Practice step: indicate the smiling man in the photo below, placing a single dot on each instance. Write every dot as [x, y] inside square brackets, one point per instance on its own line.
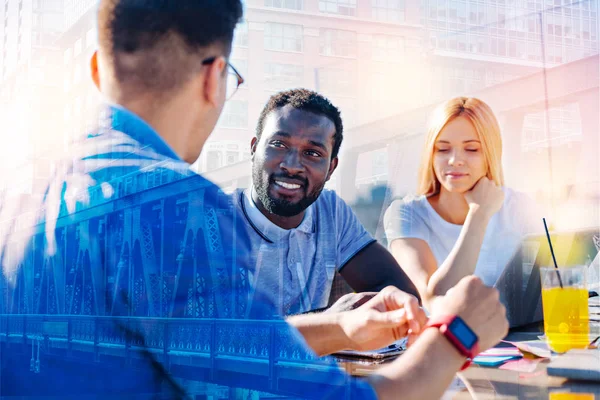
[302, 234]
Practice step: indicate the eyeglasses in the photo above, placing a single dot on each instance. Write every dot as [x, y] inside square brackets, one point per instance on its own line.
[234, 79]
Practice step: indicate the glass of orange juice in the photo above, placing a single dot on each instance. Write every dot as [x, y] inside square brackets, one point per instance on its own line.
[566, 314]
[571, 396]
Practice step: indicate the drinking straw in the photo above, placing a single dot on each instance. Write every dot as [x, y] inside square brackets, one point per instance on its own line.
[552, 252]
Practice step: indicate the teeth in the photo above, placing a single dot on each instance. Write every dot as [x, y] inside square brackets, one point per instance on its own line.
[288, 185]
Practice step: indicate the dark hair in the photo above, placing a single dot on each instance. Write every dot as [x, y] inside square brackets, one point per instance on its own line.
[163, 34]
[307, 100]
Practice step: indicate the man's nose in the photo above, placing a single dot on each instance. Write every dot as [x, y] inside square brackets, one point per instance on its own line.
[292, 163]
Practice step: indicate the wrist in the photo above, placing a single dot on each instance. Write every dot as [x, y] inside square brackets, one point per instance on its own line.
[343, 322]
[443, 349]
[479, 212]
[458, 334]
[324, 333]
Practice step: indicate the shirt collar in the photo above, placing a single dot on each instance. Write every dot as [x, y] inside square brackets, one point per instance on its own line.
[267, 229]
[123, 120]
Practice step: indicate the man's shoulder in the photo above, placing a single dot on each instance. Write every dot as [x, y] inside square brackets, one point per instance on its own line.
[332, 209]
[115, 148]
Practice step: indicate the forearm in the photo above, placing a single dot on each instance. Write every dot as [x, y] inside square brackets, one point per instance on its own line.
[322, 332]
[424, 372]
[462, 260]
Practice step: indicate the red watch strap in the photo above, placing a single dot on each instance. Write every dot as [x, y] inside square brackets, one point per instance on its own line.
[466, 365]
[442, 323]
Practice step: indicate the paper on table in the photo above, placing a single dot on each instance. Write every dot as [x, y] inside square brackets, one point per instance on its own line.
[500, 352]
[537, 348]
[522, 365]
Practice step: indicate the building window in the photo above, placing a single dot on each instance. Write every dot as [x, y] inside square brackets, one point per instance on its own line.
[565, 127]
[240, 36]
[337, 43]
[450, 80]
[213, 160]
[241, 66]
[235, 114]
[337, 81]
[283, 76]
[388, 10]
[91, 38]
[283, 37]
[67, 57]
[232, 157]
[287, 4]
[343, 7]
[388, 48]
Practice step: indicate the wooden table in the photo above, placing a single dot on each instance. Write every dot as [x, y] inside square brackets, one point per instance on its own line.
[493, 383]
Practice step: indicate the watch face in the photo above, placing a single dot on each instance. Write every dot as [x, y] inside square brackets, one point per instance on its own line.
[463, 333]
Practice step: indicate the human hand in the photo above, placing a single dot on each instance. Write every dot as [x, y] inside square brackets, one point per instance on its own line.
[389, 316]
[479, 306]
[485, 196]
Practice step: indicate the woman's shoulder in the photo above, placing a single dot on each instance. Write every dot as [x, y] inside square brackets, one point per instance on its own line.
[409, 202]
[408, 208]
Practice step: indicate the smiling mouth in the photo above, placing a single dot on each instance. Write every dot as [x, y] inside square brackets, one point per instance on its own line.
[289, 186]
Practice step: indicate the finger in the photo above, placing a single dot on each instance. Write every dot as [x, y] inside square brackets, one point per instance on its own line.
[480, 182]
[390, 318]
[412, 310]
[395, 298]
[421, 319]
[412, 338]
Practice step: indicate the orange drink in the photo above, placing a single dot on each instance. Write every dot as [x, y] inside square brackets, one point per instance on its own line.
[566, 314]
[571, 396]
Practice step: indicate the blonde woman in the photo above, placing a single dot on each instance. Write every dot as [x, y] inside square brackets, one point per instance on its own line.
[464, 220]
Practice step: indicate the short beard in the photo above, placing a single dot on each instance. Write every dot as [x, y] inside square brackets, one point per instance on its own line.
[281, 207]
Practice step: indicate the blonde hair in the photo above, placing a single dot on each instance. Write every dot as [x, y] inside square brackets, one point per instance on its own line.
[488, 131]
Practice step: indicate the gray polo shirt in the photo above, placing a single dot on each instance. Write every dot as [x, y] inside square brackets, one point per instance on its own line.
[296, 266]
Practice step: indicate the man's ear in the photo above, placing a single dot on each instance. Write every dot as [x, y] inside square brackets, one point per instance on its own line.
[253, 144]
[213, 82]
[332, 166]
[94, 69]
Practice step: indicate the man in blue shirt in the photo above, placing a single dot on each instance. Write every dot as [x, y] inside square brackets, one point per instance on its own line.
[129, 272]
[301, 234]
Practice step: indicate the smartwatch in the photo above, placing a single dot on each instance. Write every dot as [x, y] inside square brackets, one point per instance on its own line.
[459, 334]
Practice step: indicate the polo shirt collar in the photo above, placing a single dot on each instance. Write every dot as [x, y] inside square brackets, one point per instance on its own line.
[267, 229]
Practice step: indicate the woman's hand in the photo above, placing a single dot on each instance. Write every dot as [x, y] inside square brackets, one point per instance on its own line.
[485, 197]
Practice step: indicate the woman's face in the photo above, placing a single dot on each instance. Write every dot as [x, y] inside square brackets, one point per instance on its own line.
[458, 159]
